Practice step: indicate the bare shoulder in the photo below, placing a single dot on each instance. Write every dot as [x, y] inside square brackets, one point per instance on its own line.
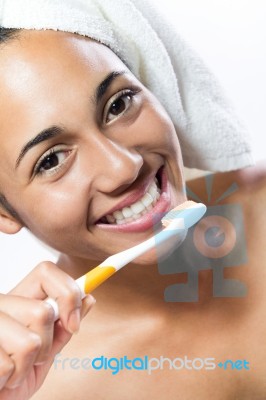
[252, 177]
[247, 180]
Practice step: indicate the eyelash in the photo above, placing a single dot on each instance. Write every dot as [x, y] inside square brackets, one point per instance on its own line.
[129, 92]
[45, 157]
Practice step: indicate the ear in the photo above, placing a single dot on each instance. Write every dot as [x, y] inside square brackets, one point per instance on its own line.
[9, 224]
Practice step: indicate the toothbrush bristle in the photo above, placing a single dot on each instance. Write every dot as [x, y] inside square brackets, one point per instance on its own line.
[171, 215]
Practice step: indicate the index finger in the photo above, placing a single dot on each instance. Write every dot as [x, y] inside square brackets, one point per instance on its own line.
[47, 280]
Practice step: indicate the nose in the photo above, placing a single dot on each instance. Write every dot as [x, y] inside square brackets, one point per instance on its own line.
[115, 166]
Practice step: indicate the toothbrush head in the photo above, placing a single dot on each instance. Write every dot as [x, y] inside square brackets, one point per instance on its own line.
[192, 210]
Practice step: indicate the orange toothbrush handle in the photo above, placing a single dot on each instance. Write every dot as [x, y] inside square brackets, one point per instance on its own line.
[96, 276]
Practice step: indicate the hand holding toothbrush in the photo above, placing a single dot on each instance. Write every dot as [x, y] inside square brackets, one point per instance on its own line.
[29, 337]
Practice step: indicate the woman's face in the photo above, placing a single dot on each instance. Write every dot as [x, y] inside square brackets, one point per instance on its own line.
[82, 143]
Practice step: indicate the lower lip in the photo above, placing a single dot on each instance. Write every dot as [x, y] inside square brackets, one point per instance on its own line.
[151, 218]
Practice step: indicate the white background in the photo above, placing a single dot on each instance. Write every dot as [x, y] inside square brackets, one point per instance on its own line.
[230, 35]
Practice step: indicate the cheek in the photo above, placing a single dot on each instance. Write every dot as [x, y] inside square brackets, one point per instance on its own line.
[49, 213]
[156, 131]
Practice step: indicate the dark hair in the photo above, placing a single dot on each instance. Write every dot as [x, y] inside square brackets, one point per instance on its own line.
[7, 206]
[5, 35]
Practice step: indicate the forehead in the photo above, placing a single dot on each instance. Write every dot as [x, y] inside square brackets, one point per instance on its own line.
[30, 48]
[38, 60]
[41, 71]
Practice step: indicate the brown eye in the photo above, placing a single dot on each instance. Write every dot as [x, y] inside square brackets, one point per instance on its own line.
[119, 104]
[50, 162]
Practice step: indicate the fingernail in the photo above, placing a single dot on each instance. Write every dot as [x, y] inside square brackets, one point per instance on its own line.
[93, 300]
[74, 321]
[88, 302]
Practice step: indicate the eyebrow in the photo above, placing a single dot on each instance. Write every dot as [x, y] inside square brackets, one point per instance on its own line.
[104, 85]
[54, 130]
[46, 134]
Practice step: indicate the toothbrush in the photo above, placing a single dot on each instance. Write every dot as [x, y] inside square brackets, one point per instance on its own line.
[179, 218]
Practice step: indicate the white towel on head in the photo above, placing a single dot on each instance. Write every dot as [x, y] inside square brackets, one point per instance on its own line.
[211, 136]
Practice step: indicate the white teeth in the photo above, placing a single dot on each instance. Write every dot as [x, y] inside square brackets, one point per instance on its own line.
[136, 210]
[110, 219]
[136, 216]
[127, 212]
[137, 207]
[118, 215]
[147, 200]
[152, 191]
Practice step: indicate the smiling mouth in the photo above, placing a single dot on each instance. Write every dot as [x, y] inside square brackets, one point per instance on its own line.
[137, 209]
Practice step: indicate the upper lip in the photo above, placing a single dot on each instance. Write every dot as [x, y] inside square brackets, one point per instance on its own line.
[134, 196]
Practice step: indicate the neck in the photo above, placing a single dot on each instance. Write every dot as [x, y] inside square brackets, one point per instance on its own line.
[136, 289]
[132, 279]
